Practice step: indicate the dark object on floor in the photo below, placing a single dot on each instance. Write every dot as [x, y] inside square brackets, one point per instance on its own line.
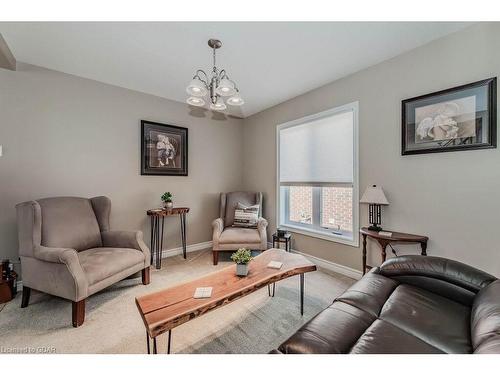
[411, 304]
[285, 238]
[68, 250]
[8, 281]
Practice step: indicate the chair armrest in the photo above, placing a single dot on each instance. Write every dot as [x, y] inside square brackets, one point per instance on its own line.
[218, 227]
[262, 229]
[442, 269]
[126, 239]
[56, 255]
[68, 258]
[261, 224]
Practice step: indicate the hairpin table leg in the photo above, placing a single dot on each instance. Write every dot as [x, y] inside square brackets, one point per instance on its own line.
[301, 294]
[169, 340]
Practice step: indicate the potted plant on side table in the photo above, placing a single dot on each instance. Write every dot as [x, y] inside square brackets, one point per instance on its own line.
[167, 200]
[242, 257]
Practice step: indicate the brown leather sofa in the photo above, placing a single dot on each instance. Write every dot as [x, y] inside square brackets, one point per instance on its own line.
[67, 249]
[411, 304]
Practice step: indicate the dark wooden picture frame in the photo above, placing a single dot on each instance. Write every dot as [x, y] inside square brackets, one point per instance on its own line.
[164, 149]
[441, 130]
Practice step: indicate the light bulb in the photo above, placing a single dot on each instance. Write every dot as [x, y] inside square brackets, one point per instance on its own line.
[235, 100]
[225, 88]
[196, 101]
[219, 105]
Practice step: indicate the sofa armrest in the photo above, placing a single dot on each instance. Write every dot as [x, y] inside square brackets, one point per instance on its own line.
[65, 261]
[56, 255]
[128, 240]
[441, 269]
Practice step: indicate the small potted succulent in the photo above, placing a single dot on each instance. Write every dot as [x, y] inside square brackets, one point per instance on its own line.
[167, 200]
[242, 257]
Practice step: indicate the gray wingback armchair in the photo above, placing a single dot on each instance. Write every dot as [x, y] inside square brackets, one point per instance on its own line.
[68, 250]
[228, 238]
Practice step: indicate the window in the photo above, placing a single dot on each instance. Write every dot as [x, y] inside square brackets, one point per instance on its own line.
[318, 175]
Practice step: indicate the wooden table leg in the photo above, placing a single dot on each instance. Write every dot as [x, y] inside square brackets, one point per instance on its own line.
[147, 341]
[364, 254]
[384, 253]
[155, 351]
[423, 245]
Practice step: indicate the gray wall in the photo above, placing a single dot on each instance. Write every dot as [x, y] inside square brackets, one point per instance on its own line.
[64, 135]
[454, 198]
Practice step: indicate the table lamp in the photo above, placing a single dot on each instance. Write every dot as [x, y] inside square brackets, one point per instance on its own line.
[375, 197]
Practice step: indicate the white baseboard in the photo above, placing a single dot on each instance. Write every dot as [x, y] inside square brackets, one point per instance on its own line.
[331, 266]
[190, 248]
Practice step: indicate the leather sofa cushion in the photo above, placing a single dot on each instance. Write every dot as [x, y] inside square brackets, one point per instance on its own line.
[69, 222]
[485, 320]
[436, 320]
[334, 330]
[239, 235]
[369, 293]
[103, 262]
[384, 338]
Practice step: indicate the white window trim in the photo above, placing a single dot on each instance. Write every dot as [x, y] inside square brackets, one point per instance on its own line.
[354, 107]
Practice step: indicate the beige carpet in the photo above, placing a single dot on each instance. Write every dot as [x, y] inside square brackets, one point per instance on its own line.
[253, 324]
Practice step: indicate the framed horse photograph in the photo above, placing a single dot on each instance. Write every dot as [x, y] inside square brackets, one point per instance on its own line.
[164, 149]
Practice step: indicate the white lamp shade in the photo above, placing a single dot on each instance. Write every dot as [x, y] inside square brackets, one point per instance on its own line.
[225, 88]
[219, 105]
[374, 195]
[196, 88]
[235, 100]
[196, 101]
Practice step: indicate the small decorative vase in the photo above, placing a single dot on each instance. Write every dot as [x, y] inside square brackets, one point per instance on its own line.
[168, 205]
[242, 269]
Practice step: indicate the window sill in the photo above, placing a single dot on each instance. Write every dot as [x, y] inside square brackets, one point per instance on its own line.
[345, 240]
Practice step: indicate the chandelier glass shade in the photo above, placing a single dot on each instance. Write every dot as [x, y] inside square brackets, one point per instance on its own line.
[213, 89]
[196, 101]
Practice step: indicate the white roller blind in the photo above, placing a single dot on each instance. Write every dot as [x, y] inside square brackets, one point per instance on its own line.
[318, 152]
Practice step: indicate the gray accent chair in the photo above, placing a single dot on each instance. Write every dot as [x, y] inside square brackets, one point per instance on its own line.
[68, 250]
[228, 238]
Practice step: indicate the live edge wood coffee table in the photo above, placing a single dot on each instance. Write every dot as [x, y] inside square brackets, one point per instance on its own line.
[164, 310]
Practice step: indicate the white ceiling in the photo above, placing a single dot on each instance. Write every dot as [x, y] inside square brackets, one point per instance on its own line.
[271, 62]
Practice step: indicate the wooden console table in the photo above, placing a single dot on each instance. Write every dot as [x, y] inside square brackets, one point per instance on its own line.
[385, 241]
[157, 230]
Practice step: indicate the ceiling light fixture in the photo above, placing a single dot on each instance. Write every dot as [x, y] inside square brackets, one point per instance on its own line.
[217, 86]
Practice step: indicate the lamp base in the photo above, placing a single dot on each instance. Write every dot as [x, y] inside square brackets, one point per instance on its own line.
[375, 228]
